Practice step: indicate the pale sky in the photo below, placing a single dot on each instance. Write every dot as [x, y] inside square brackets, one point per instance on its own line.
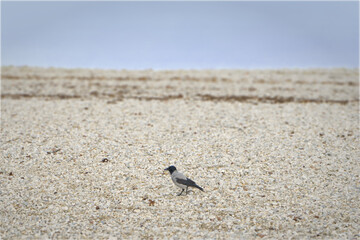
[180, 35]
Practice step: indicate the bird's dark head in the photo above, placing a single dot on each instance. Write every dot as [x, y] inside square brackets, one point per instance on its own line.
[171, 169]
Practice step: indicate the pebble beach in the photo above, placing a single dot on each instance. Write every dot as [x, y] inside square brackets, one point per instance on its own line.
[83, 153]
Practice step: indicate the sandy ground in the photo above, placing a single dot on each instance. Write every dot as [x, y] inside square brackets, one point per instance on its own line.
[83, 151]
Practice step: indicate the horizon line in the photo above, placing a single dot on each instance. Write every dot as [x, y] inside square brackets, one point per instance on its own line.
[183, 69]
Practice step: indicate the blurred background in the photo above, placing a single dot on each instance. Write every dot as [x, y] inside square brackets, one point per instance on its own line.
[180, 35]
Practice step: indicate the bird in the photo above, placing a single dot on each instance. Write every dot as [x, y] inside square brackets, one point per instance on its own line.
[181, 181]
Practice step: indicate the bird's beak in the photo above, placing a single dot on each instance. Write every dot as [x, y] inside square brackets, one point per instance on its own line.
[166, 169]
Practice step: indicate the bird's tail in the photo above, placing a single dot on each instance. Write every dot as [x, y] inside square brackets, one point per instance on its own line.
[198, 187]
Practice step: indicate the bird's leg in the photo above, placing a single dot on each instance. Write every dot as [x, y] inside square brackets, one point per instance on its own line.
[181, 192]
[187, 190]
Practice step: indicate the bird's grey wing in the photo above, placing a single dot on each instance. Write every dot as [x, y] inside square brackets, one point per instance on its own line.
[187, 181]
